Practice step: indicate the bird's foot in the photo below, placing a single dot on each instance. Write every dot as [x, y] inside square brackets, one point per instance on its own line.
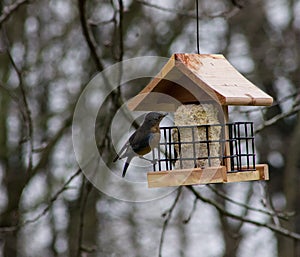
[154, 161]
[142, 157]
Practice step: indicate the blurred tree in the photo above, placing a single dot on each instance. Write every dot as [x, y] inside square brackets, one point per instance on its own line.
[49, 51]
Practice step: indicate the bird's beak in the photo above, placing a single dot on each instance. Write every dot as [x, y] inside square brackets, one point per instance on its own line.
[163, 115]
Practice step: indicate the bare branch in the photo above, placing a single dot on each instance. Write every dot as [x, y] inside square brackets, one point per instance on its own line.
[272, 227]
[88, 249]
[9, 10]
[121, 47]
[88, 34]
[45, 210]
[27, 111]
[92, 22]
[192, 212]
[167, 214]
[238, 3]
[54, 198]
[246, 206]
[16, 100]
[85, 191]
[44, 157]
[267, 202]
[121, 41]
[276, 103]
[225, 14]
[277, 118]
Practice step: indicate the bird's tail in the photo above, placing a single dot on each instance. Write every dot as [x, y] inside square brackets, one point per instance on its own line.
[126, 166]
[116, 158]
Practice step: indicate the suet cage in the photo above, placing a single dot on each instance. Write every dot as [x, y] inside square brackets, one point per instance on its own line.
[202, 146]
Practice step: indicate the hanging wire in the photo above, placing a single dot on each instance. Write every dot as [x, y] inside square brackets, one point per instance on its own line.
[197, 22]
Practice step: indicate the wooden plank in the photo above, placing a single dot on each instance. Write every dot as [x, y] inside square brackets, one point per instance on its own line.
[167, 107]
[205, 176]
[220, 76]
[133, 104]
[227, 146]
[168, 92]
[186, 177]
[212, 74]
[193, 76]
[261, 173]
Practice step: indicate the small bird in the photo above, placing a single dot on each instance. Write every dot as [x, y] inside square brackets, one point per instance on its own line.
[143, 140]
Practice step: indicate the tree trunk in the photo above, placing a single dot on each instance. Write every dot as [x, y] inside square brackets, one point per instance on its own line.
[286, 246]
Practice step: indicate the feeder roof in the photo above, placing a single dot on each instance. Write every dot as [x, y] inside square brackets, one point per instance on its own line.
[190, 78]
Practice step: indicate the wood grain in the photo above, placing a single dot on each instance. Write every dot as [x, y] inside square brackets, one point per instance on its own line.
[194, 78]
[205, 176]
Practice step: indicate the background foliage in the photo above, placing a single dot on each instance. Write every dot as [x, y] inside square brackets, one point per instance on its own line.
[49, 50]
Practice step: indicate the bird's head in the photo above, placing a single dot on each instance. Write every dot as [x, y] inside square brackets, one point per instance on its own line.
[154, 118]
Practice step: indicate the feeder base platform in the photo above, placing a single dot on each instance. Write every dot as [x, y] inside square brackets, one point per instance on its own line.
[205, 176]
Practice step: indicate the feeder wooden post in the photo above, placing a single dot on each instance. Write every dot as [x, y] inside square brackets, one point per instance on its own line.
[227, 144]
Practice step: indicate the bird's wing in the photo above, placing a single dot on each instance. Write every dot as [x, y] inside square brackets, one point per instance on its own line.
[123, 149]
[140, 141]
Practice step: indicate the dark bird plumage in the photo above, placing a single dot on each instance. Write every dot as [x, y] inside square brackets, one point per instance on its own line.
[143, 140]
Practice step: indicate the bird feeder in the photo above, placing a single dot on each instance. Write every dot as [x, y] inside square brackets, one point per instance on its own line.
[203, 146]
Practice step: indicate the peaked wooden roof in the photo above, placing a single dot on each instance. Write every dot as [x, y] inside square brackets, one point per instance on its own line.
[192, 77]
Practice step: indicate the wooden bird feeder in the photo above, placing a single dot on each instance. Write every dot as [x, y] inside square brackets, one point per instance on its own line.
[202, 147]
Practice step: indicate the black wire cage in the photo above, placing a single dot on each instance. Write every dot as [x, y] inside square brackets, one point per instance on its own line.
[201, 146]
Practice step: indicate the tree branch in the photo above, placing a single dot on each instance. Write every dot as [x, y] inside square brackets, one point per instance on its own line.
[54, 198]
[121, 41]
[44, 157]
[225, 14]
[45, 210]
[274, 228]
[27, 111]
[88, 34]
[192, 211]
[275, 103]
[277, 118]
[246, 206]
[167, 214]
[16, 100]
[86, 189]
[9, 10]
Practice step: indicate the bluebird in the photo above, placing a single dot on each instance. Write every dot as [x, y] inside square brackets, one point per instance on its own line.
[142, 141]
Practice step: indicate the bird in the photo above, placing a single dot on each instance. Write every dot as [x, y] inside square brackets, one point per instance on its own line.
[142, 141]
